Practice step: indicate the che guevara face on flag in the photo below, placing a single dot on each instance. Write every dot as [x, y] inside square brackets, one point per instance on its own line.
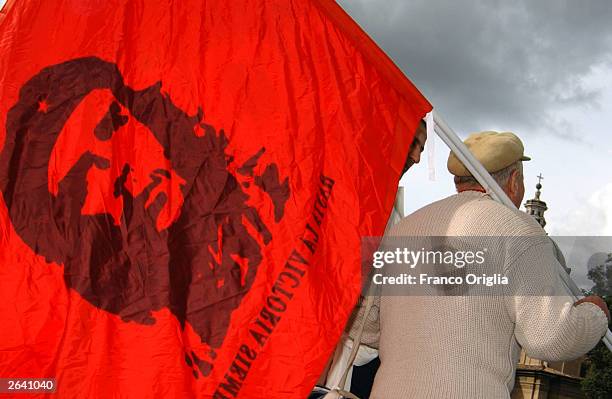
[175, 231]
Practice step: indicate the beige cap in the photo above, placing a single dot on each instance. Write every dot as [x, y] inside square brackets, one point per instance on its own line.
[494, 150]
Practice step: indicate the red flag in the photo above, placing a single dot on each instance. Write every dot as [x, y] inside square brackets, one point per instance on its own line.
[184, 188]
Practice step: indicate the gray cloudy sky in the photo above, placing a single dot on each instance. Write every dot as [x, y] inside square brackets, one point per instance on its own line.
[519, 63]
[542, 69]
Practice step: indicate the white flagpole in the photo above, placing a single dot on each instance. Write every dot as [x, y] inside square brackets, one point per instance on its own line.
[455, 144]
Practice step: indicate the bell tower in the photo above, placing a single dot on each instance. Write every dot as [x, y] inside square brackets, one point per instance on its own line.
[535, 206]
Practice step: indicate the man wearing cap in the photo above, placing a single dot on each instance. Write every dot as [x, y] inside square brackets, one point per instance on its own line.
[468, 346]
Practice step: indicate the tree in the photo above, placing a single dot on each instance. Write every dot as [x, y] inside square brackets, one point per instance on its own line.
[598, 381]
[601, 275]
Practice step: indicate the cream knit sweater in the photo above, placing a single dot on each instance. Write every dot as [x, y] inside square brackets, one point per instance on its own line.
[467, 347]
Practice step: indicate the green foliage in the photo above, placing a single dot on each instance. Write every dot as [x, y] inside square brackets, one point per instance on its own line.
[598, 381]
[601, 276]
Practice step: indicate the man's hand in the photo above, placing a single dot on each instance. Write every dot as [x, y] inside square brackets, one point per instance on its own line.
[597, 301]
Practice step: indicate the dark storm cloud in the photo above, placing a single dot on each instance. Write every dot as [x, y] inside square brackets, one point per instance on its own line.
[493, 63]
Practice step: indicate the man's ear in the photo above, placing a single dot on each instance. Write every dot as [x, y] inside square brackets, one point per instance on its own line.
[513, 182]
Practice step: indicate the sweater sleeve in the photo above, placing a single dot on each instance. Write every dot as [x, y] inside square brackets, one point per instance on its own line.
[547, 324]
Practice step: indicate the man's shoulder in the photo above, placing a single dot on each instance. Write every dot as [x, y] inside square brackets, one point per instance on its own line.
[509, 221]
[468, 213]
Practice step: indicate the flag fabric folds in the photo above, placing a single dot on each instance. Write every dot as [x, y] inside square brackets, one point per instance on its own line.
[184, 189]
